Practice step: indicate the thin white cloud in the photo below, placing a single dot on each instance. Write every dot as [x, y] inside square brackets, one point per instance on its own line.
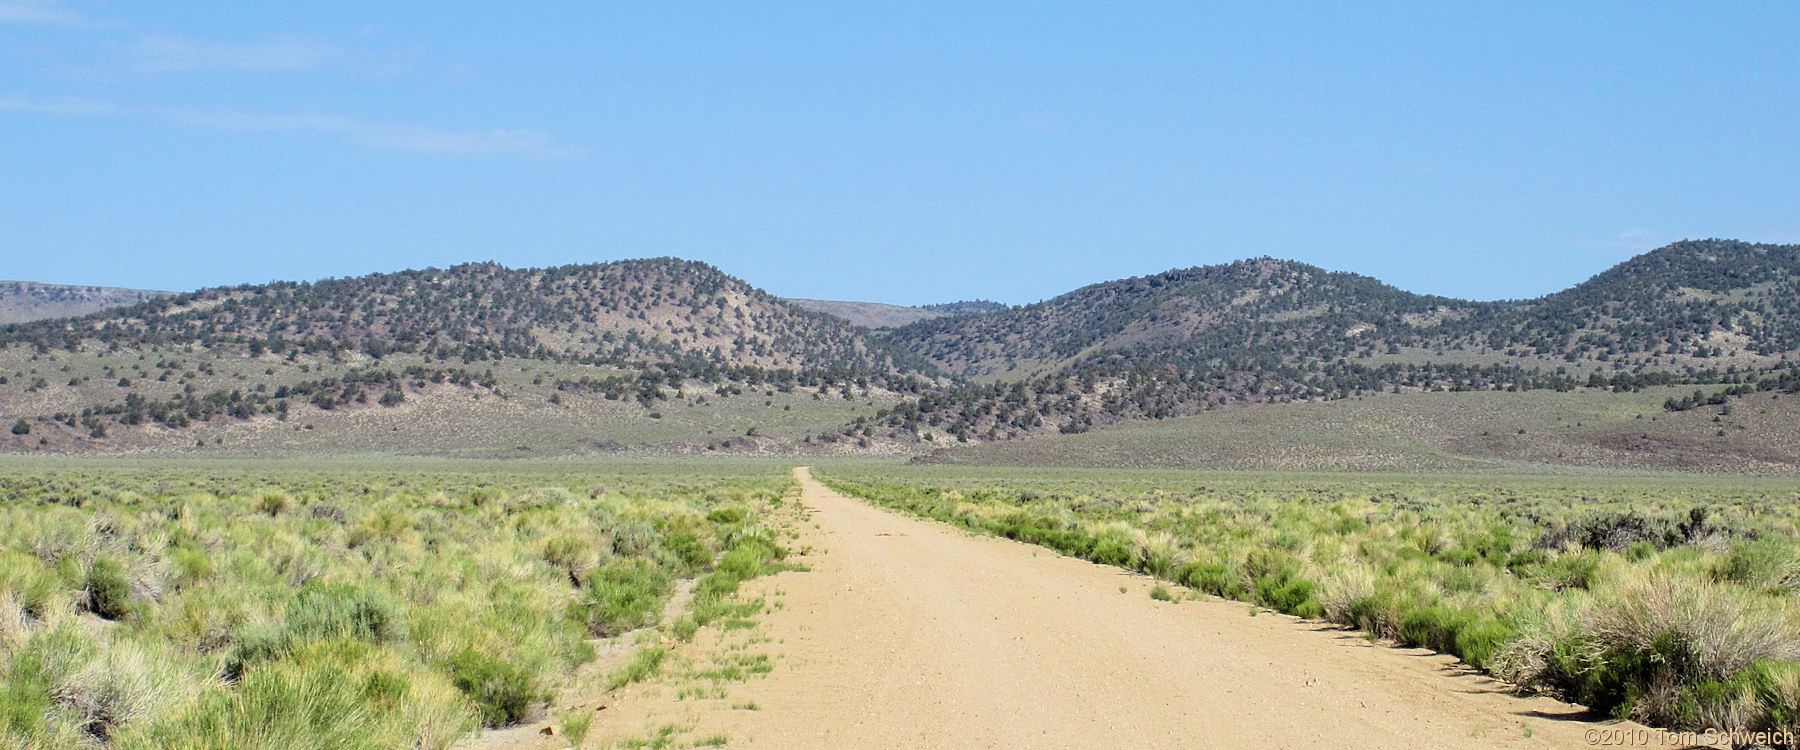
[162, 53]
[376, 134]
[173, 54]
[41, 13]
[366, 133]
[57, 106]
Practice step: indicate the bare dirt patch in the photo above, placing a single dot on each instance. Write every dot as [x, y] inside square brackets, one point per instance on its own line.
[906, 633]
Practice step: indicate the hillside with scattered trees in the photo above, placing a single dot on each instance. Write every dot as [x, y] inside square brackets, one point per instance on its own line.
[1710, 312]
[875, 315]
[640, 331]
[1717, 319]
[630, 312]
[23, 301]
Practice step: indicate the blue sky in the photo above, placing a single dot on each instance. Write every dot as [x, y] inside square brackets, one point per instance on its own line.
[899, 152]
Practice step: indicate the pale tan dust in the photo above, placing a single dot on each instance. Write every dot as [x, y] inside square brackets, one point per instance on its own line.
[910, 634]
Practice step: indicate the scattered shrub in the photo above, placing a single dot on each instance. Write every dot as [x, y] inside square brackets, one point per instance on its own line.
[572, 553]
[125, 685]
[108, 591]
[1217, 580]
[1276, 583]
[1569, 571]
[1761, 564]
[238, 623]
[688, 548]
[503, 693]
[333, 694]
[273, 503]
[622, 595]
[192, 565]
[346, 611]
[633, 539]
[1616, 531]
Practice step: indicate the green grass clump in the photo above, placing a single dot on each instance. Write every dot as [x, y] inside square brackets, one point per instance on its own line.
[319, 612]
[575, 728]
[690, 549]
[644, 664]
[1765, 564]
[623, 595]
[333, 694]
[1214, 579]
[573, 553]
[273, 503]
[750, 558]
[1682, 652]
[664, 737]
[1276, 582]
[504, 694]
[108, 593]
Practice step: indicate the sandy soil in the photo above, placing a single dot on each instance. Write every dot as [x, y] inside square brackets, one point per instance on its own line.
[910, 634]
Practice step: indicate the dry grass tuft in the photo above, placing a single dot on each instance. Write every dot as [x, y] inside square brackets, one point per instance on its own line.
[1712, 631]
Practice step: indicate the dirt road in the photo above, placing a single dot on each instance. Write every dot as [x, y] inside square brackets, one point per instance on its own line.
[910, 634]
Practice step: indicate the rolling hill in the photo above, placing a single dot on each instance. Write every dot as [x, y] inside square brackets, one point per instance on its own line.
[601, 347]
[1673, 307]
[640, 311]
[877, 316]
[874, 315]
[1271, 331]
[22, 301]
[1171, 315]
[671, 355]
